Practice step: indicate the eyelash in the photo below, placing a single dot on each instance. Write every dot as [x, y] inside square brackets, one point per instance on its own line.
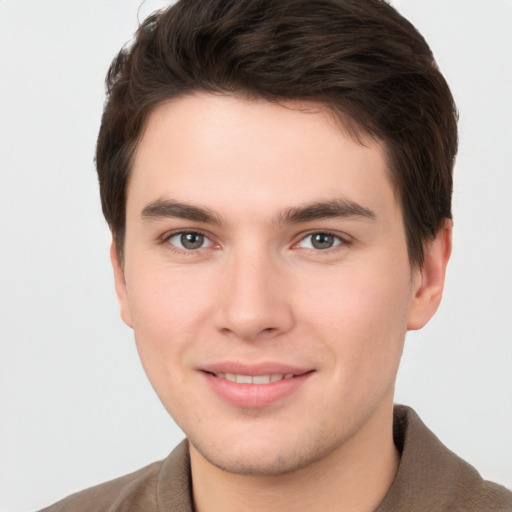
[339, 241]
[166, 239]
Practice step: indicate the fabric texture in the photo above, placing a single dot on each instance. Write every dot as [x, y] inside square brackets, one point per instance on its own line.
[430, 478]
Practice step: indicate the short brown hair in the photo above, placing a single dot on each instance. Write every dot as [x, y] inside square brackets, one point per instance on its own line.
[360, 58]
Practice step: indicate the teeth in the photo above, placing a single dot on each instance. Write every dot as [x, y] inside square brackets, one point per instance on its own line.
[256, 379]
[261, 379]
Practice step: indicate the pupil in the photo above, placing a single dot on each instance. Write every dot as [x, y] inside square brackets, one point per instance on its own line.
[322, 241]
[192, 240]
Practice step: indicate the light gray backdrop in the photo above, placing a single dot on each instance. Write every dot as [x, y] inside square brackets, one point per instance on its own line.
[76, 408]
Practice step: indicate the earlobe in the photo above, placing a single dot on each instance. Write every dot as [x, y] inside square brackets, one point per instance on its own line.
[430, 280]
[120, 284]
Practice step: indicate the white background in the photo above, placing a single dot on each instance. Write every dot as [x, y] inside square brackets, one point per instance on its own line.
[76, 408]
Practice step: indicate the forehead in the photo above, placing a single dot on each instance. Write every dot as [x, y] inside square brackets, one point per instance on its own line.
[209, 148]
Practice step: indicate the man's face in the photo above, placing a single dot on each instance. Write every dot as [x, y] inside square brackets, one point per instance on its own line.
[265, 246]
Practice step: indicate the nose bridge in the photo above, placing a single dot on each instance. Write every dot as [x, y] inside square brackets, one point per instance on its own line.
[254, 300]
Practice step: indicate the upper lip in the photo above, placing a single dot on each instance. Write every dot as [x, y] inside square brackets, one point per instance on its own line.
[266, 368]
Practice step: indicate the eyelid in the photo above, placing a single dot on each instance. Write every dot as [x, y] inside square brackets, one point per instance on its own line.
[165, 239]
[344, 239]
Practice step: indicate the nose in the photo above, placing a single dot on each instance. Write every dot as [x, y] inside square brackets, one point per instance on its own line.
[254, 301]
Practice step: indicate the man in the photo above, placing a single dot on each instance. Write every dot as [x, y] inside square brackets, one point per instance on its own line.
[277, 179]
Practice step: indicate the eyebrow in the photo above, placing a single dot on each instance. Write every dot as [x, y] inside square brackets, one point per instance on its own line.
[168, 208]
[334, 208]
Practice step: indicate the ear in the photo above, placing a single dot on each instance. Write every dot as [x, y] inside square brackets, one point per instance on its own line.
[429, 279]
[120, 284]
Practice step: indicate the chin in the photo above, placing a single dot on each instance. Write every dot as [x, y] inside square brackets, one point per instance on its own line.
[264, 458]
[256, 465]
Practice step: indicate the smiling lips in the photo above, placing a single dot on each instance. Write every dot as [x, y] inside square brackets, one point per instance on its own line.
[253, 379]
[257, 390]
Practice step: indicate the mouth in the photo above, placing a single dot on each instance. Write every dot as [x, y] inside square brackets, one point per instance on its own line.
[252, 387]
[253, 379]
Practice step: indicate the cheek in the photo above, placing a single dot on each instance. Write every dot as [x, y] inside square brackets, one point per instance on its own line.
[165, 310]
[166, 298]
[362, 318]
[165, 315]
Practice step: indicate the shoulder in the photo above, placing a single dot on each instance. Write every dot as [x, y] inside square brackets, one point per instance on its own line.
[136, 488]
[490, 496]
[140, 490]
[431, 478]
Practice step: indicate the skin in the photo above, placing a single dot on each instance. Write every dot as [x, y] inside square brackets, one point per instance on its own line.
[257, 291]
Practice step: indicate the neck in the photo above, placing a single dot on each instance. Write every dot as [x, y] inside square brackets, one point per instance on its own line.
[353, 477]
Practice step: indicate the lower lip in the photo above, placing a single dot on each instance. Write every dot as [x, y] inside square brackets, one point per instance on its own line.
[254, 395]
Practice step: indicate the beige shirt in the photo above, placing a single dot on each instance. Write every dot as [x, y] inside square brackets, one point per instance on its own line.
[430, 478]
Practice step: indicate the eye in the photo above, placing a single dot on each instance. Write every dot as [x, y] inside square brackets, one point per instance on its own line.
[320, 241]
[189, 240]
